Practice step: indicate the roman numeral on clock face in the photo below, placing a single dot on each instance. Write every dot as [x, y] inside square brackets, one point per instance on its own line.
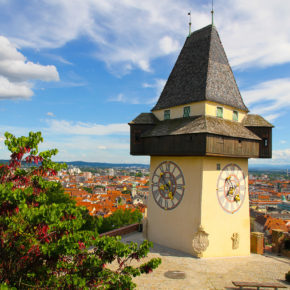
[167, 167]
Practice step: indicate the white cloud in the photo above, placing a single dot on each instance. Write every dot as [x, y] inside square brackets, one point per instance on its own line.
[131, 33]
[58, 58]
[14, 90]
[80, 128]
[255, 32]
[65, 128]
[2, 138]
[271, 98]
[120, 98]
[102, 147]
[50, 114]
[15, 67]
[8, 51]
[128, 37]
[281, 156]
[283, 141]
[20, 71]
[96, 148]
[108, 144]
[16, 72]
[272, 117]
[168, 45]
[144, 65]
[158, 85]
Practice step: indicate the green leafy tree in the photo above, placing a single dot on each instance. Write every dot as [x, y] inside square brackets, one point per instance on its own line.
[88, 189]
[45, 238]
[120, 218]
[127, 191]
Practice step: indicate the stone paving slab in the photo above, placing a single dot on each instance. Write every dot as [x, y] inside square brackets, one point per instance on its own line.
[209, 273]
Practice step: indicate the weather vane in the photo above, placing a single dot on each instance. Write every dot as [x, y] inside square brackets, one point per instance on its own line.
[212, 12]
[189, 14]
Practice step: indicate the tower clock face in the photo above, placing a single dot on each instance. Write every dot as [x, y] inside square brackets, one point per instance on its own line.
[231, 188]
[168, 185]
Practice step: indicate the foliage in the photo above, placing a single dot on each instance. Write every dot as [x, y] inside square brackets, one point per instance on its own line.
[287, 276]
[119, 219]
[127, 191]
[45, 238]
[88, 189]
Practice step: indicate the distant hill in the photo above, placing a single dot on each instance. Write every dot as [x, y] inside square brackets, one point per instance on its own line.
[105, 165]
[97, 164]
[269, 167]
[252, 167]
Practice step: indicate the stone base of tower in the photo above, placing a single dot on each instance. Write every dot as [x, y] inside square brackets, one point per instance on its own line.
[200, 225]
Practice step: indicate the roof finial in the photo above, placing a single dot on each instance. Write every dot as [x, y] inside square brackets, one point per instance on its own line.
[189, 14]
[212, 12]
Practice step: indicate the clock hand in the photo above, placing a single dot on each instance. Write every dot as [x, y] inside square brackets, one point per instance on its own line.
[237, 198]
[162, 177]
[166, 185]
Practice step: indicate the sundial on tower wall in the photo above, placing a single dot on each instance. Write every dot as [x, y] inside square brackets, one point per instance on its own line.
[200, 136]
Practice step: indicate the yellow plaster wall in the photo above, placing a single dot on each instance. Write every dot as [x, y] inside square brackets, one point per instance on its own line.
[200, 108]
[175, 228]
[210, 110]
[196, 109]
[218, 223]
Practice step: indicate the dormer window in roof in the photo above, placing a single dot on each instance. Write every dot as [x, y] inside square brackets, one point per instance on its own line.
[219, 112]
[235, 116]
[166, 114]
[186, 111]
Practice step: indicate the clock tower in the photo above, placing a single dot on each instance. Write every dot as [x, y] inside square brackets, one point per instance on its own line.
[200, 136]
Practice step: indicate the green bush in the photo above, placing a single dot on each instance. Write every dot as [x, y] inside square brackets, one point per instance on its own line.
[118, 219]
[45, 238]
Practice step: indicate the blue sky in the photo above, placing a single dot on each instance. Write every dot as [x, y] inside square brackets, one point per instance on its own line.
[80, 70]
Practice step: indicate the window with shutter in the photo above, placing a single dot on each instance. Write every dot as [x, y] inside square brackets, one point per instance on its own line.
[219, 112]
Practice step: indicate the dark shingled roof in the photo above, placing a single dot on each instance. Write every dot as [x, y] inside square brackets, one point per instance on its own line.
[201, 73]
[252, 120]
[201, 124]
[145, 118]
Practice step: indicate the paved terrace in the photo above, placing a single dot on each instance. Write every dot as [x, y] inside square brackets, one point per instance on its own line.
[209, 273]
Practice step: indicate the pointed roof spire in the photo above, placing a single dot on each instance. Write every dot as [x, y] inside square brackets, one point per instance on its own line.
[201, 73]
[212, 12]
[189, 23]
